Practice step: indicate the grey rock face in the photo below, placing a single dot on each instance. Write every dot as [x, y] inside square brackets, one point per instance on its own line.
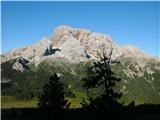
[77, 42]
[37, 49]
[132, 51]
[12, 54]
[21, 64]
[28, 53]
[17, 66]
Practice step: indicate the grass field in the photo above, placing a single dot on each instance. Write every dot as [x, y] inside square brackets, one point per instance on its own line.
[12, 102]
[75, 102]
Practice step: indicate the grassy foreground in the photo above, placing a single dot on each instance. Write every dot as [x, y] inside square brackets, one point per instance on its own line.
[12, 102]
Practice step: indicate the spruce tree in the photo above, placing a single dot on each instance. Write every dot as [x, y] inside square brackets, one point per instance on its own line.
[52, 96]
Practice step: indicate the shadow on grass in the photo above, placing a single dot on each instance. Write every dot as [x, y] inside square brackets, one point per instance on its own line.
[143, 112]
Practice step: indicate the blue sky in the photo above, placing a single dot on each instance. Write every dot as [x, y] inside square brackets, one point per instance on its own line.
[135, 23]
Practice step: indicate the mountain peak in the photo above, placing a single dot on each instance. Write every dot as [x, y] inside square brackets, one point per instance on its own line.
[74, 44]
[90, 42]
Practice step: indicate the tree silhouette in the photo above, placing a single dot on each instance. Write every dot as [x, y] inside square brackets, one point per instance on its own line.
[52, 96]
[100, 75]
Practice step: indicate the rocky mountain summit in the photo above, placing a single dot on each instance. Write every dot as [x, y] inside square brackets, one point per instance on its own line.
[72, 44]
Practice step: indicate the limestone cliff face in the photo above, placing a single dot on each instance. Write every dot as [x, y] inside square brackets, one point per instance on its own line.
[28, 52]
[33, 54]
[86, 42]
[12, 54]
[132, 51]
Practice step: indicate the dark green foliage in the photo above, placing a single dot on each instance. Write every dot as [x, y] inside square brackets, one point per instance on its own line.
[69, 93]
[34, 79]
[7, 71]
[141, 89]
[52, 96]
[23, 85]
[26, 94]
[100, 75]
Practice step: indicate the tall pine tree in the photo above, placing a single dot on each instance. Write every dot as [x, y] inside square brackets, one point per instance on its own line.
[52, 96]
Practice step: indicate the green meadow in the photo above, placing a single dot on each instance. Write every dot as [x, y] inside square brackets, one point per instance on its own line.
[12, 102]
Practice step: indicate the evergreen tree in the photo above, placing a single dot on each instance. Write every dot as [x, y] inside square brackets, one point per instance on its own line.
[52, 96]
[100, 75]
